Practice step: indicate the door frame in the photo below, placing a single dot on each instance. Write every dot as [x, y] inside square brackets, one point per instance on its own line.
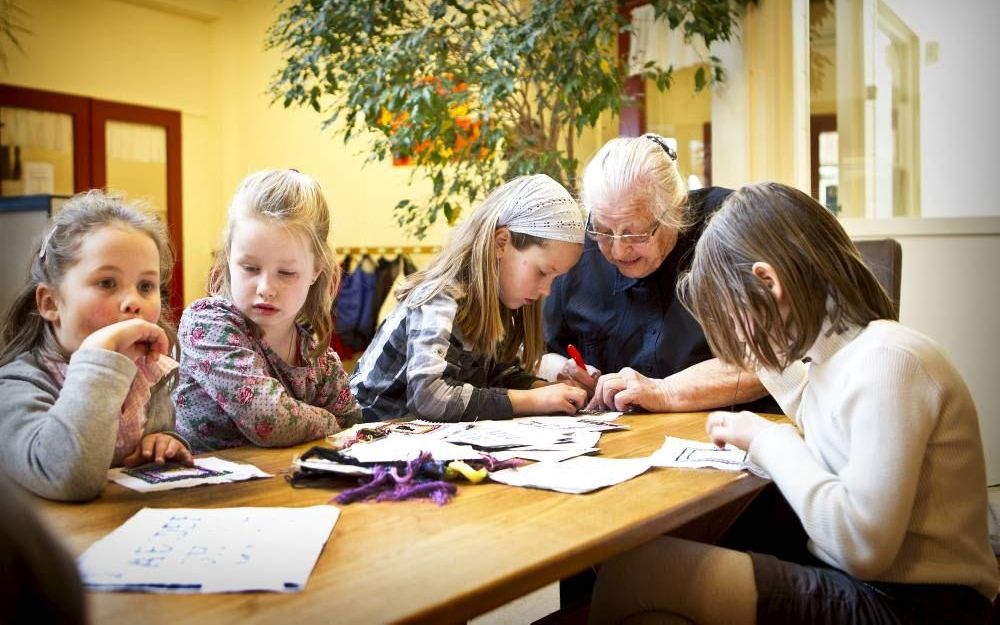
[89, 154]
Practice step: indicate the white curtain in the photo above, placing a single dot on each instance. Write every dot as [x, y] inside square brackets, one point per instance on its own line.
[37, 129]
[136, 142]
[653, 40]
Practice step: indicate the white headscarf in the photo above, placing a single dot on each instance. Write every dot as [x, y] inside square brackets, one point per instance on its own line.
[543, 208]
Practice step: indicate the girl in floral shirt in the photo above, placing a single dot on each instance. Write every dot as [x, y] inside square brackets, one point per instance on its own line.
[256, 367]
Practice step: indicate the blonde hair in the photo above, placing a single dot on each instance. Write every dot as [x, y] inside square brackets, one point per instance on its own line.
[637, 170]
[292, 200]
[24, 330]
[467, 270]
[814, 259]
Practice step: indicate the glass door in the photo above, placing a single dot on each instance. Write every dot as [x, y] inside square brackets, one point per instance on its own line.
[865, 109]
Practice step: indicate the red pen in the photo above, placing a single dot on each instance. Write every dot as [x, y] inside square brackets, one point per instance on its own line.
[577, 357]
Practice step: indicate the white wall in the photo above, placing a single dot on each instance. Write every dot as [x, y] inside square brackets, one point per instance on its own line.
[959, 102]
[950, 293]
[948, 290]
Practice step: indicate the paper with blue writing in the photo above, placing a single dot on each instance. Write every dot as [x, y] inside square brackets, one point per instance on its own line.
[187, 550]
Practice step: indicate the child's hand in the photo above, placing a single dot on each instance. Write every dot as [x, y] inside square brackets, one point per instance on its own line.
[134, 339]
[557, 397]
[738, 428]
[573, 375]
[159, 448]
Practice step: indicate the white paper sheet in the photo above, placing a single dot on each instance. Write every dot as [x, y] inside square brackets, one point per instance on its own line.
[500, 435]
[186, 550]
[563, 422]
[150, 478]
[413, 427]
[684, 453]
[577, 475]
[329, 466]
[399, 448]
[542, 456]
[599, 415]
[510, 435]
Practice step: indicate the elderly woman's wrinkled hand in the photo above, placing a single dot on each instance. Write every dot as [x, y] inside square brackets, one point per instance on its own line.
[629, 389]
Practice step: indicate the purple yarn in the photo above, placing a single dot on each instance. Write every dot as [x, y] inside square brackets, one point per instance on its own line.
[492, 464]
[438, 491]
[379, 481]
[392, 483]
[403, 481]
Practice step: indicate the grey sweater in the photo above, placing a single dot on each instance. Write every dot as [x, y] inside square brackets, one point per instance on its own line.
[59, 443]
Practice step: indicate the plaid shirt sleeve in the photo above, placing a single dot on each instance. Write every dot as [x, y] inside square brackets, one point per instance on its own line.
[419, 365]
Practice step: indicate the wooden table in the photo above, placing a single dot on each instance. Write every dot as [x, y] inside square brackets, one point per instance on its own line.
[414, 561]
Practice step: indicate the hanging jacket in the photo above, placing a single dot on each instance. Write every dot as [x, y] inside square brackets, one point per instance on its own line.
[355, 312]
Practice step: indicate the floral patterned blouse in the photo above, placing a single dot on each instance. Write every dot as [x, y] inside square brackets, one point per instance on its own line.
[234, 389]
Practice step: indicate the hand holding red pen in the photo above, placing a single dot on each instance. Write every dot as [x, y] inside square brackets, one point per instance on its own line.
[575, 371]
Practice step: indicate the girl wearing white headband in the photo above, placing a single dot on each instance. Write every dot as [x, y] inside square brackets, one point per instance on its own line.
[466, 339]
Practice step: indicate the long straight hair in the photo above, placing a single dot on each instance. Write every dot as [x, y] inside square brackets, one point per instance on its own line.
[821, 272]
[468, 271]
[286, 198]
[24, 329]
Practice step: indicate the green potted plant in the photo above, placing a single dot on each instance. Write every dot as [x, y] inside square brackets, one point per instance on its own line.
[472, 92]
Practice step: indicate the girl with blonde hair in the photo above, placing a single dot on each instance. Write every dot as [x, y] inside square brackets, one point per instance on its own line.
[466, 339]
[257, 367]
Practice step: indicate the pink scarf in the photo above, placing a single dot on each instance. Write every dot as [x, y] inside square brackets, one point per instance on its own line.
[133, 418]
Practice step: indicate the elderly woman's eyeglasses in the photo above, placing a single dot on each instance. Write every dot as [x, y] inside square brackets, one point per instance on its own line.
[606, 239]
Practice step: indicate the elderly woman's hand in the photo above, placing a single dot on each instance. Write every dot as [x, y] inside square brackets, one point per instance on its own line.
[630, 389]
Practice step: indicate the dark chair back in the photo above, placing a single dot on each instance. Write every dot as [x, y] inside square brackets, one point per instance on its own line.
[885, 259]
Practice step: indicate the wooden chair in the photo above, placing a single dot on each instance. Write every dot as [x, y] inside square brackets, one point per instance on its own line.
[885, 259]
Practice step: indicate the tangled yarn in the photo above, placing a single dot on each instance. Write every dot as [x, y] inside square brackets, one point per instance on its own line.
[419, 478]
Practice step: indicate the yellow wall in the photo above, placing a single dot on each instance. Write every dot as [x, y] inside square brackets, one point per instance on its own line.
[207, 60]
[680, 113]
[256, 134]
[767, 39]
[823, 59]
[128, 53]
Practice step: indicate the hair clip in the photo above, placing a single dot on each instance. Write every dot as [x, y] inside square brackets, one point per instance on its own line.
[295, 170]
[663, 144]
[45, 243]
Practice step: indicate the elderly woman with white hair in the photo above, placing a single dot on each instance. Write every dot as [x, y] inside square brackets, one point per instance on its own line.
[618, 306]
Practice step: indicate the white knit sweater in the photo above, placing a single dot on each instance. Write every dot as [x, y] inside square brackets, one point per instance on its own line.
[887, 473]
